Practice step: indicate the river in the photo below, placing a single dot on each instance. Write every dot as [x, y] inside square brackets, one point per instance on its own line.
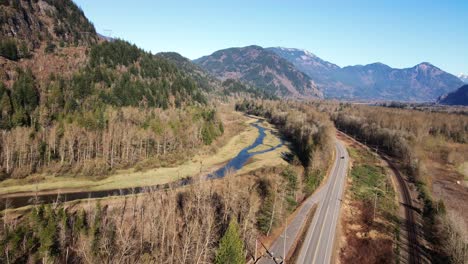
[233, 165]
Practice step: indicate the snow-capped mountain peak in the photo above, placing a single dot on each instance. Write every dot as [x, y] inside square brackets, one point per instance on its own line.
[305, 53]
[463, 77]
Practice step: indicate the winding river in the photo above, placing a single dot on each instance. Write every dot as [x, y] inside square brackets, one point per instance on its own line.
[233, 165]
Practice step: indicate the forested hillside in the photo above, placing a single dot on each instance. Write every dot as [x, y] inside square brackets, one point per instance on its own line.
[74, 120]
[76, 105]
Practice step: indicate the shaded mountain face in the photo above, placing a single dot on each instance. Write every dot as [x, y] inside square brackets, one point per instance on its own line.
[458, 97]
[262, 69]
[377, 81]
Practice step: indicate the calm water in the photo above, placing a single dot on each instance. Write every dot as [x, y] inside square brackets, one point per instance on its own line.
[244, 155]
[233, 165]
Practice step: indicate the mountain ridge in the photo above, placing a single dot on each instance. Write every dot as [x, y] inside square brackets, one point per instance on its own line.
[375, 81]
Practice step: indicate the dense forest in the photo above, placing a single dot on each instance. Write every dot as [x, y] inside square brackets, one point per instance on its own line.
[236, 89]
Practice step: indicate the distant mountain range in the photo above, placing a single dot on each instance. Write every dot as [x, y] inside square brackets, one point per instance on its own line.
[463, 77]
[260, 68]
[458, 97]
[298, 73]
[377, 81]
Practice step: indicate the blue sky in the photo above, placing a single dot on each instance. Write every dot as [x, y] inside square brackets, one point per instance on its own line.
[398, 33]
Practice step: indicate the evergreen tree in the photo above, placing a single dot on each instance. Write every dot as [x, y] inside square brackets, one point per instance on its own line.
[9, 50]
[25, 97]
[44, 223]
[265, 214]
[96, 230]
[80, 223]
[231, 247]
[6, 111]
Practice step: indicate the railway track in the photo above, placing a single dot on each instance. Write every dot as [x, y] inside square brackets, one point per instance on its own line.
[414, 256]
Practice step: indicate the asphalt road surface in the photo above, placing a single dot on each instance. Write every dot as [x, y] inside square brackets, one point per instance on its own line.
[318, 244]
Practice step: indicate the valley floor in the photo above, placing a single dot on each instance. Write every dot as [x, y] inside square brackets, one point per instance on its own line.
[239, 134]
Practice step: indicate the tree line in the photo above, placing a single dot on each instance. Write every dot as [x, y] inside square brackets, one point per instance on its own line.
[398, 132]
[95, 142]
[209, 222]
[311, 133]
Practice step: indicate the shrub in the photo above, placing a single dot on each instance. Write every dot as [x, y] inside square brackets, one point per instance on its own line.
[50, 48]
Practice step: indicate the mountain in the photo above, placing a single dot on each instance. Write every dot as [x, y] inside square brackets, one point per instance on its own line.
[458, 97]
[53, 61]
[262, 69]
[423, 82]
[212, 85]
[317, 69]
[377, 81]
[463, 77]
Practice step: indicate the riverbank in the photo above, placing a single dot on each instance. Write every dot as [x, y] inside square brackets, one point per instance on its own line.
[201, 164]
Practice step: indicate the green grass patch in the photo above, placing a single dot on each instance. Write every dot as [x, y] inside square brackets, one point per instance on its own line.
[370, 180]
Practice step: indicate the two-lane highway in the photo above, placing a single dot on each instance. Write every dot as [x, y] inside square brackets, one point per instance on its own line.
[318, 244]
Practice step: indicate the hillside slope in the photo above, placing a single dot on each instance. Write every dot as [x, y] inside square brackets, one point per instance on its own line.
[260, 68]
[75, 103]
[211, 85]
[199, 75]
[33, 23]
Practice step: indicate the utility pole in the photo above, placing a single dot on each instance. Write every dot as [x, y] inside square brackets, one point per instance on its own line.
[375, 206]
[284, 241]
[255, 254]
